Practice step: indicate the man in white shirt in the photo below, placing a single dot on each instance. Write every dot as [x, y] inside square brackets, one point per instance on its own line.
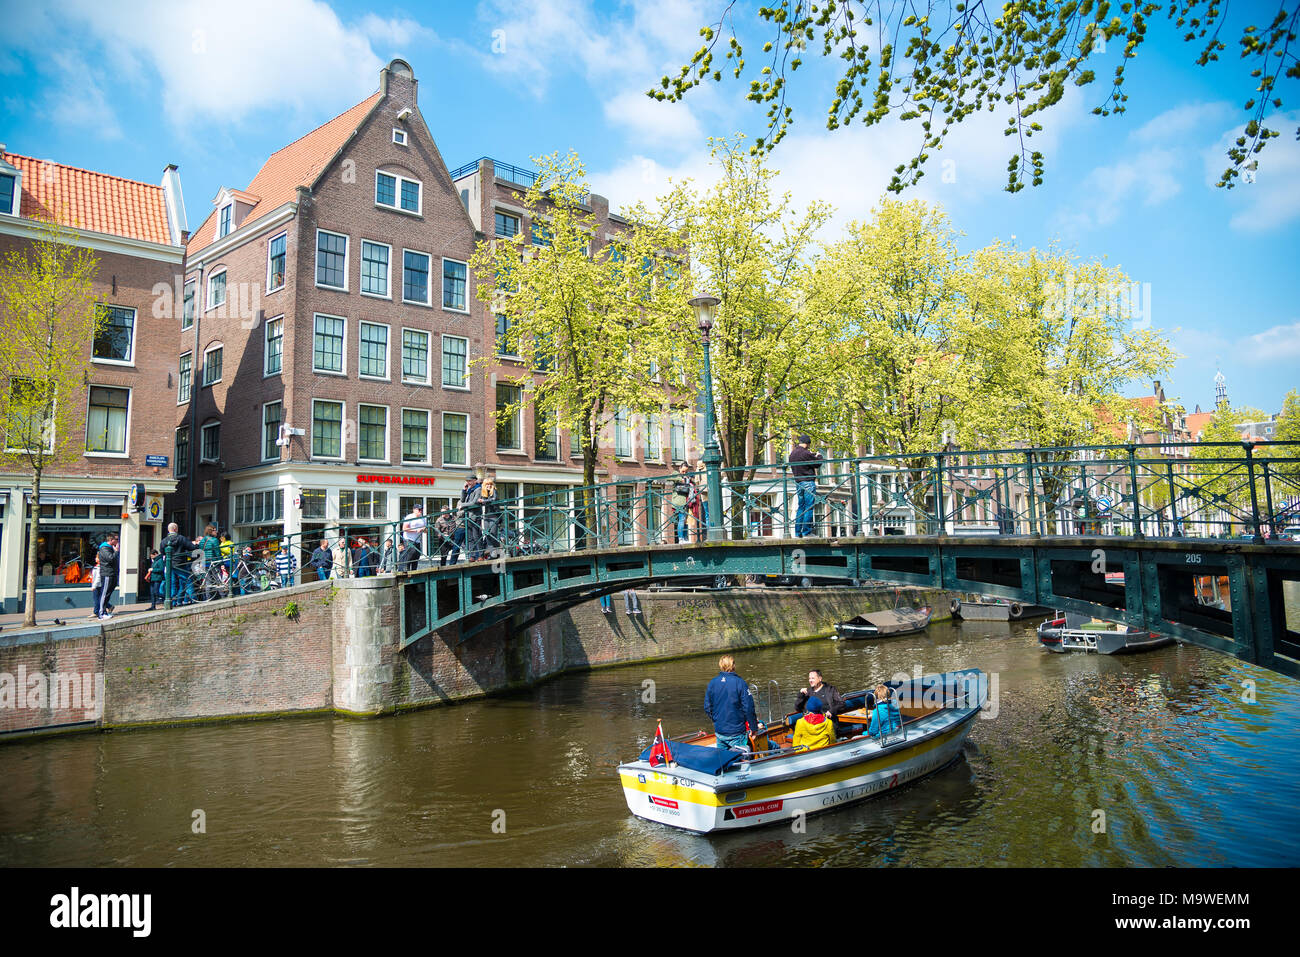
[412, 535]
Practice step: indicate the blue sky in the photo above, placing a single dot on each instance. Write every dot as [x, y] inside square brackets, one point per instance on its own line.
[216, 88]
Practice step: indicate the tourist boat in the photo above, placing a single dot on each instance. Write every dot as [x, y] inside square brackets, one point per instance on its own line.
[705, 789]
[1071, 632]
[885, 624]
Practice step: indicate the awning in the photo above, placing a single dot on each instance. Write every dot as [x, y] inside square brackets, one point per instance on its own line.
[81, 498]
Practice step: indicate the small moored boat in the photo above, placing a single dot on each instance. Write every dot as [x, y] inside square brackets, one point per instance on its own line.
[704, 788]
[1071, 632]
[884, 624]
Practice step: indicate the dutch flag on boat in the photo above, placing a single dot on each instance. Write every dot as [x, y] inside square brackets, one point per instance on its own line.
[659, 751]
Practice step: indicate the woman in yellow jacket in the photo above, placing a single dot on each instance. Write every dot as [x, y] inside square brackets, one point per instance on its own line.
[814, 730]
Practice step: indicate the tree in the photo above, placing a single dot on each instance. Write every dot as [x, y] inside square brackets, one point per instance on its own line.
[1220, 474]
[601, 320]
[48, 306]
[773, 358]
[935, 63]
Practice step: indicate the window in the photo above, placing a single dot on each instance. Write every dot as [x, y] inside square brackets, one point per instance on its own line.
[415, 277]
[397, 192]
[331, 260]
[183, 387]
[217, 289]
[508, 431]
[225, 219]
[363, 503]
[415, 435]
[622, 434]
[210, 442]
[187, 308]
[677, 437]
[546, 436]
[542, 352]
[274, 346]
[507, 225]
[415, 356]
[372, 433]
[455, 353]
[8, 194]
[399, 136]
[653, 450]
[541, 234]
[503, 335]
[106, 421]
[259, 508]
[373, 360]
[313, 502]
[114, 334]
[326, 431]
[183, 451]
[327, 344]
[375, 271]
[455, 438]
[212, 365]
[275, 263]
[31, 425]
[454, 277]
[271, 417]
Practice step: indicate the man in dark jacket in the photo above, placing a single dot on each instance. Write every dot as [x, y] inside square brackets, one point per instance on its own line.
[322, 560]
[182, 583]
[106, 559]
[730, 706]
[830, 697]
[804, 465]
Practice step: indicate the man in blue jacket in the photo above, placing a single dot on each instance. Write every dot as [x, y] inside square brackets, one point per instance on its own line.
[730, 706]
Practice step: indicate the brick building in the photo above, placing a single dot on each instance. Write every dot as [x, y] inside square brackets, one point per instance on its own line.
[324, 377]
[136, 230]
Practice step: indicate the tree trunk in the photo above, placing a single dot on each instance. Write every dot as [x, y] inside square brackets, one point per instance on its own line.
[29, 613]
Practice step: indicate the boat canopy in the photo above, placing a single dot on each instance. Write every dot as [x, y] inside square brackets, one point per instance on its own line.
[695, 758]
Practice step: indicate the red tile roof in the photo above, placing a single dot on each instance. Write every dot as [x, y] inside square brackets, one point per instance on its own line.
[88, 200]
[298, 164]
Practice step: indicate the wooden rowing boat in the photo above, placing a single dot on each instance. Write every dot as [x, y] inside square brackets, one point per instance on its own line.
[705, 789]
[885, 624]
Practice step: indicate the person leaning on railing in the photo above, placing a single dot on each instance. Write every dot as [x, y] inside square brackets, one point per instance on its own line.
[182, 583]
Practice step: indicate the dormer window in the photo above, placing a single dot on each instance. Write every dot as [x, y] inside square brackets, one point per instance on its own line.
[225, 219]
[9, 193]
[399, 136]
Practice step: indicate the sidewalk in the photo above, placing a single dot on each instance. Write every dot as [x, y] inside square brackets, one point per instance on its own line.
[79, 617]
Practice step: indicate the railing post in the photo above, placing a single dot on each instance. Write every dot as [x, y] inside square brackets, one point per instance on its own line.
[167, 580]
[938, 520]
[1268, 498]
[1033, 499]
[1254, 496]
[857, 497]
[1173, 501]
[1133, 483]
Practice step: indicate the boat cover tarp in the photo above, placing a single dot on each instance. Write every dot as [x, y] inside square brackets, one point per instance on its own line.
[696, 758]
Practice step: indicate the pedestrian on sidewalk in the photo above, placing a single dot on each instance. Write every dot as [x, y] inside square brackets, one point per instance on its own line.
[106, 565]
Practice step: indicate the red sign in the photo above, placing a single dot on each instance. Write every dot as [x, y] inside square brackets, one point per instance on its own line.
[397, 479]
[749, 810]
[663, 802]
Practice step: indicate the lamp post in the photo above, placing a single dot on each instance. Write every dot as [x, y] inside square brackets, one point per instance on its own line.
[705, 307]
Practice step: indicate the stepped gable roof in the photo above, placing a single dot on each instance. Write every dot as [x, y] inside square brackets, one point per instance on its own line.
[85, 199]
[298, 164]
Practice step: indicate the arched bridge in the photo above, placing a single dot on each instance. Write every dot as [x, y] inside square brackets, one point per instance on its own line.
[1125, 533]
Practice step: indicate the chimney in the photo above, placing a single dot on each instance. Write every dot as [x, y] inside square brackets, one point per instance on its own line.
[177, 225]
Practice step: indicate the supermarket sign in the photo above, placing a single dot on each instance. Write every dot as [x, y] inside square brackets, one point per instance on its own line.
[397, 480]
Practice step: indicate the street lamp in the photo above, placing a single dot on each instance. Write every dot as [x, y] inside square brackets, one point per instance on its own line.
[705, 307]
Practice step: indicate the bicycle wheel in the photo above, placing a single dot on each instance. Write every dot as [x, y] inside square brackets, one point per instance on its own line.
[215, 585]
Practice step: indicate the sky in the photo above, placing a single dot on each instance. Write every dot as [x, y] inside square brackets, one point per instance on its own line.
[217, 87]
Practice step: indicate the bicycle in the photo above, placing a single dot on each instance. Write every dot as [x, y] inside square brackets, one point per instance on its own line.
[211, 580]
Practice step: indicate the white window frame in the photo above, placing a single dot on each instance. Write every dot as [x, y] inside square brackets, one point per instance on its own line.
[202, 432]
[442, 365]
[388, 280]
[442, 445]
[18, 195]
[180, 377]
[283, 279]
[399, 136]
[315, 264]
[266, 346]
[654, 427]
[428, 289]
[397, 193]
[428, 364]
[189, 284]
[130, 356]
[388, 351]
[442, 276]
[428, 438]
[219, 347]
[343, 359]
[343, 431]
[211, 303]
[388, 428]
[221, 211]
[519, 423]
[126, 439]
[262, 432]
[50, 422]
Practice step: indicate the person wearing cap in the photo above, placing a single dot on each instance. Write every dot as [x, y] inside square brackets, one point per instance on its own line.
[814, 730]
[286, 563]
[804, 464]
[730, 706]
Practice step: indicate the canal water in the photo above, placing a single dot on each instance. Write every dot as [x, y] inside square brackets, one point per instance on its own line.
[1175, 757]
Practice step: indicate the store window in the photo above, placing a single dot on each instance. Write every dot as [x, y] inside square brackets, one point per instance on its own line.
[313, 502]
[363, 505]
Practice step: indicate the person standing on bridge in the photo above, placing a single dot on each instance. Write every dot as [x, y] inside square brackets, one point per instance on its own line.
[730, 706]
[412, 534]
[804, 464]
[322, 560]
[182, 583]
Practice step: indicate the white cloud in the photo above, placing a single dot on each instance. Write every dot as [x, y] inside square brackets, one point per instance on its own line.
[1279, 344]
[396, 33]
[1269, 196]
[653, 121]
[1180, 121]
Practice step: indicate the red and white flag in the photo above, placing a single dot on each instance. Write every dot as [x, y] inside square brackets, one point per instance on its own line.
[659, 750]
